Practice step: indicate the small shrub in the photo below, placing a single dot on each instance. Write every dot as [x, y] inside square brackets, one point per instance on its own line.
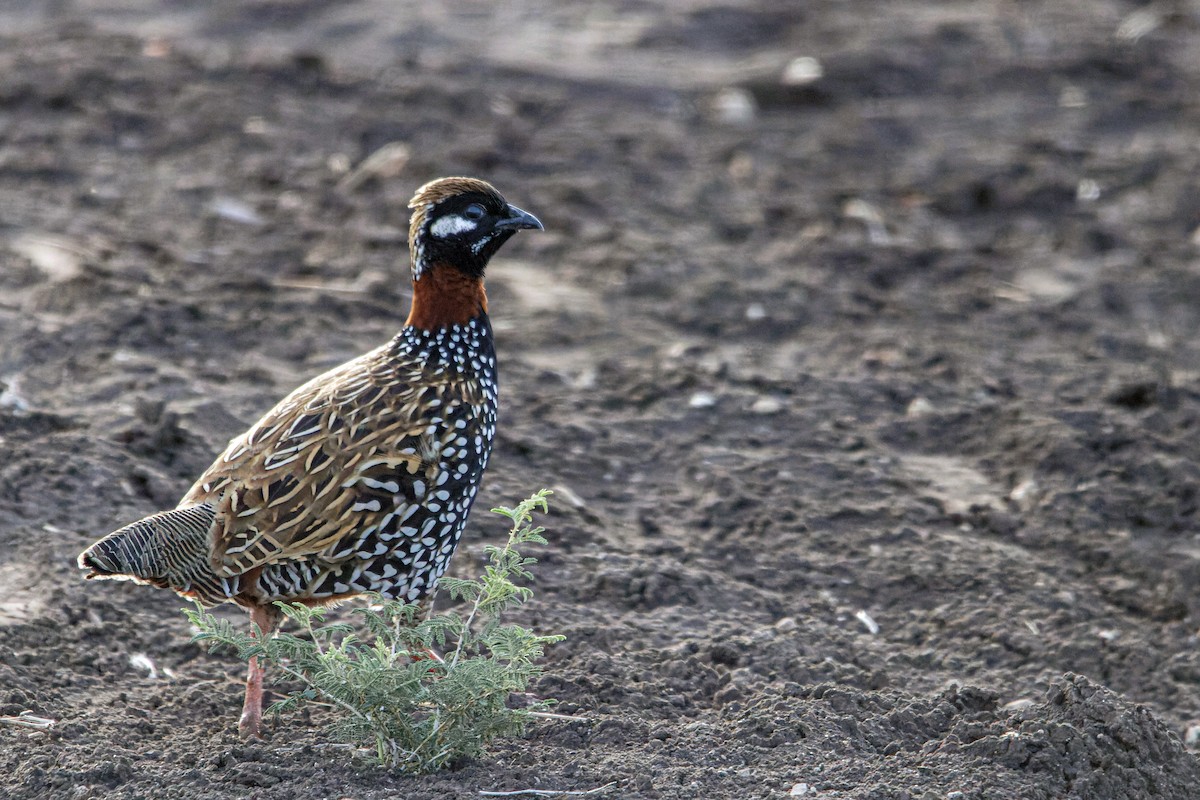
[422, 711]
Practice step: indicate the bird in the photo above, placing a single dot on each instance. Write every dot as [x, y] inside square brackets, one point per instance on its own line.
[360, 480]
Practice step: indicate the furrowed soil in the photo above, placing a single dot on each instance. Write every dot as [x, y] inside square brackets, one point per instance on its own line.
[870, 399]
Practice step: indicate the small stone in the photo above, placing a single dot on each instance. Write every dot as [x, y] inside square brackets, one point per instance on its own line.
[10, 398]
[1024, 494]
[1088, 191]
[870, 216]
[1191, 736]
[1020, 704]
[338, 163]
[235, 210]
[799, 790]
[256, 126]
[755, 312]
[702, 400]
[734, 106]
[802, 71]
[142, 661]
[59, 258]
[786, 625]
[1072, 97]
[767, 405]
[1139, 23]
[919, 407]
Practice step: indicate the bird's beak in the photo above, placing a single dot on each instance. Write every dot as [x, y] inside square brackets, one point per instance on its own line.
[519, 220]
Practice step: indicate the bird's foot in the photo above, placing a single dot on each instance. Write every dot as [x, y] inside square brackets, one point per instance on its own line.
[250, 725]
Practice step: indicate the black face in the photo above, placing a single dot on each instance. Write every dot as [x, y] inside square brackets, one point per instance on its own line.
[466, 230]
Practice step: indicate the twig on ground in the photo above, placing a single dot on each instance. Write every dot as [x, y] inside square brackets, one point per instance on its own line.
[26, 719]
[552, 715]
[551, 792]
[352, 290]
[323, 746]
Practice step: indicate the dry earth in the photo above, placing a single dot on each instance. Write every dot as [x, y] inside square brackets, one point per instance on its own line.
[871, 402]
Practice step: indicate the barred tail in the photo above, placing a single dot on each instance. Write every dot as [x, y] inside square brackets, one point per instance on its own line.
[169, 550]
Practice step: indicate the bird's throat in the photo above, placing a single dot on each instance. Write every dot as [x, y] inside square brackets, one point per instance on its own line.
[445, 296]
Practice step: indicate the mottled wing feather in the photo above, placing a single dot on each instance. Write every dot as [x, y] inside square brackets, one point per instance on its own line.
[329, 463]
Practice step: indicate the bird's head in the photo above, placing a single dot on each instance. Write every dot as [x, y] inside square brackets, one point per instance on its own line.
[461, 223]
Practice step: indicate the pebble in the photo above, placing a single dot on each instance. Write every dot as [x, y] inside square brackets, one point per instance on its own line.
[1072, 97]
[870, 216]
[10, 398]
[919, 407]
[1088, 191]
[799, 790]
[142, 661]
[735, 106]
[1024, 494]
[767, 405]
[59, 258]
[235, 210]
[702, 400]
[802, 71]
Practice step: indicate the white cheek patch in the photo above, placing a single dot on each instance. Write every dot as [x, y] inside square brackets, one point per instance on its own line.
[450, 225]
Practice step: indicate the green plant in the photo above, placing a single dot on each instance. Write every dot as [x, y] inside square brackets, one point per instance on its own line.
[422, 711]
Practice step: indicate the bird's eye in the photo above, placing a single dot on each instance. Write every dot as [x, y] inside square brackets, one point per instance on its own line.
[474, 211]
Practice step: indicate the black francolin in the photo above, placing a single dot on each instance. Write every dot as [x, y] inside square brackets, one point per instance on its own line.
[361, 480]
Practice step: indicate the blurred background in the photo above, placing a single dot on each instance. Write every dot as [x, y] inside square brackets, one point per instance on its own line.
[859, 351]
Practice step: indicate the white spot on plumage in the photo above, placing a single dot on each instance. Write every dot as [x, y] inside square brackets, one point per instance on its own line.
[387, 486]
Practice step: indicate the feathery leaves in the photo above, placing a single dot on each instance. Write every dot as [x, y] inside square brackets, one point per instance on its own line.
[422, 712]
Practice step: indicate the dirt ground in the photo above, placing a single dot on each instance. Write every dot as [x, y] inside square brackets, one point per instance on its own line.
[870, 397]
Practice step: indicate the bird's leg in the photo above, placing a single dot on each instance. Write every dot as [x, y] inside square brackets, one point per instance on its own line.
[250, 725]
